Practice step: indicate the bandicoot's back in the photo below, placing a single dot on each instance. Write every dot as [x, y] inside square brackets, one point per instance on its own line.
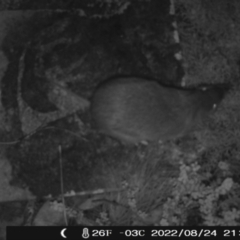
[135, 109]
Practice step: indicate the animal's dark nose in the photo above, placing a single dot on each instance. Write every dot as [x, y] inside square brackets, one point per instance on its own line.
[135, 109]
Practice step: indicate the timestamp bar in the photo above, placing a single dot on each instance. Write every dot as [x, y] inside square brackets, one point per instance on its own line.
[104, 232]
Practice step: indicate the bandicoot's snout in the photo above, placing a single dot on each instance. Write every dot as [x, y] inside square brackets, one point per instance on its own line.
[136, 109]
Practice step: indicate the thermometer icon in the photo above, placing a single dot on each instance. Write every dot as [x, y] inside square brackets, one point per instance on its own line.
[85, 233]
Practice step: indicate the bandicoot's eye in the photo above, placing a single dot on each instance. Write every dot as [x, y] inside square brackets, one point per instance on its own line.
[204, 88]
[215, 106]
